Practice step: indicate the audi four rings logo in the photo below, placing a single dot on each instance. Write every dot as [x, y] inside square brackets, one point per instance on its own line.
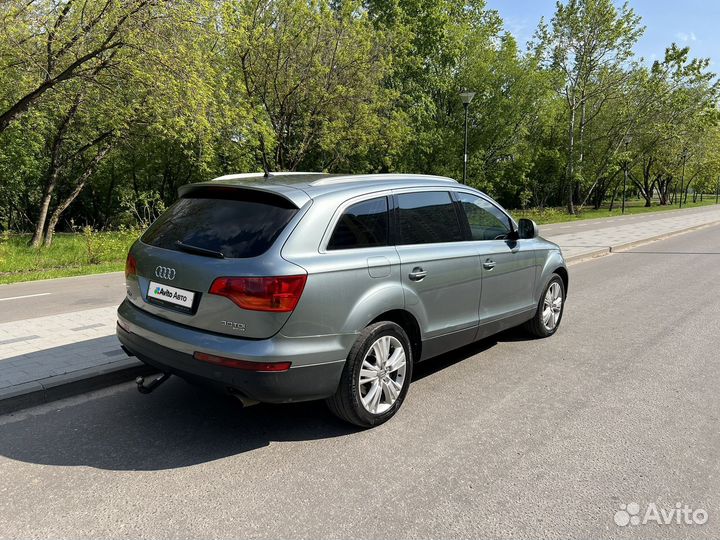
[163, 272]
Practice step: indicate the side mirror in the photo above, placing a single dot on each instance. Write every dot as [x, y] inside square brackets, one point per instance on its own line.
[527, 228]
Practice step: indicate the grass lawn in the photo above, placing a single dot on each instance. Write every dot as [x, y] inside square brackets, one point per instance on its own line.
[632, 206]
[70, 255]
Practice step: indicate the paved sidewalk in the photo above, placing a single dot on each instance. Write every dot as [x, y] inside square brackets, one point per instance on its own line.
[581, 244]
[58, 354]
[57, 344]
[47, 358]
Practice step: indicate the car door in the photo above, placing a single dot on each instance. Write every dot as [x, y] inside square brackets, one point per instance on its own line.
[508, 265]
[440, 270]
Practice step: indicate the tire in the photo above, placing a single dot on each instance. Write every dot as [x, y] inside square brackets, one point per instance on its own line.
[537, 326]
[354, 400]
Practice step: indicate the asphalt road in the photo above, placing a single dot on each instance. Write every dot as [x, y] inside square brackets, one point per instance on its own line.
[508, 438]
[20, 301]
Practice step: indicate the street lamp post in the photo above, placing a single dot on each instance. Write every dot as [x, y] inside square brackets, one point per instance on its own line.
[628, 139]
[466, 97]
[682, 177]
[717, 190]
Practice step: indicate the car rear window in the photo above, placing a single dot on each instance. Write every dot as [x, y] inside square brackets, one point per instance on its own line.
[235, 222]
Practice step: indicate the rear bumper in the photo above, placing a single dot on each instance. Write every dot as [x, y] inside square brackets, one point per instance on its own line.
[317, 362]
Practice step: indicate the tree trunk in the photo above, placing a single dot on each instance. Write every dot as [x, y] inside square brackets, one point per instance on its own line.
[108, 199]
[598, 198]
[581, 151]
[570, 166]
[53, 171]
[63, 205]
[44, 206]
[663, 190]
[55, 217]
[612, 201]
[685, 195]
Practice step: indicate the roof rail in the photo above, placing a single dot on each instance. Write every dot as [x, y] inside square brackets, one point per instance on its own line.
[245, 176]
[378, 178]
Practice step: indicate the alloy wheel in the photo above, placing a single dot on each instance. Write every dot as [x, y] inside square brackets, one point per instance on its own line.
[382, 374]
[552, 306]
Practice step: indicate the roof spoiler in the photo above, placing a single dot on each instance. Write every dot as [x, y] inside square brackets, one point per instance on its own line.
[296, 197]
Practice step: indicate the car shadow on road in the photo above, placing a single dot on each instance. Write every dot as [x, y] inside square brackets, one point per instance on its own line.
[433, 365]
[178, 425]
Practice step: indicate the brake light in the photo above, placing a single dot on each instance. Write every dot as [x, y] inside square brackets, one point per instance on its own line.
[280, 294]
[242, 364]
[130, 266]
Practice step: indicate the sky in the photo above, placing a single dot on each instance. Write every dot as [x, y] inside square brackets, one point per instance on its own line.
[692, 23]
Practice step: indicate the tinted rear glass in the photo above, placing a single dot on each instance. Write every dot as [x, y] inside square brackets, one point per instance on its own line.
[428, 217]
[237, 223]
[364, 224]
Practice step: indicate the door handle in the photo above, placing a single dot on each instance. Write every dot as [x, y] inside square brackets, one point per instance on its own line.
[489, 264]
[418, 274]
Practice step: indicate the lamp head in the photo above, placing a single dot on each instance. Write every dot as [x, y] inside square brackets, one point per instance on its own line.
[466, 96]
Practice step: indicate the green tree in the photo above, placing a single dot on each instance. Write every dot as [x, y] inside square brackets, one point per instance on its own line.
[47, 43]
[312, 75]
[676, 108]
[588, 47]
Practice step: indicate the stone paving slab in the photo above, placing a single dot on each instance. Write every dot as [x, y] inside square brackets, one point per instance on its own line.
[41, 333]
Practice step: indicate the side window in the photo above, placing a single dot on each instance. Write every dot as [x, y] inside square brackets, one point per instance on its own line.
[486, 221]
[428, 217]
[362, 225]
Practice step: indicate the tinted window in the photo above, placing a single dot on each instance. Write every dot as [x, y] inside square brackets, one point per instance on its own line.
[487, 222]
[427, 218]
[364, 224]
[237, 223]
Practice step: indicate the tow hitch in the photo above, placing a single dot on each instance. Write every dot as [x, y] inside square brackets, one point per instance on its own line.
[140, 381]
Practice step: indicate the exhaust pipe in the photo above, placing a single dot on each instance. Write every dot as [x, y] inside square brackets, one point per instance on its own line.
[140, 381]
[246, 401]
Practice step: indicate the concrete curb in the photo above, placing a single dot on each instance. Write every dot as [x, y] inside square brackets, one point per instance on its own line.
[635, 243]
[34, 393]
[589, 255]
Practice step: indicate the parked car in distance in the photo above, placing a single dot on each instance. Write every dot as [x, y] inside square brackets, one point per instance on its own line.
[304, 286]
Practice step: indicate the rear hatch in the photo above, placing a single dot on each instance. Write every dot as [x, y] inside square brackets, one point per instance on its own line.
[208, 262]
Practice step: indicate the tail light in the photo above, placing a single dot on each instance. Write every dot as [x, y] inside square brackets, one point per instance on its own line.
[241, 364]
[130, 266]
[280, 294]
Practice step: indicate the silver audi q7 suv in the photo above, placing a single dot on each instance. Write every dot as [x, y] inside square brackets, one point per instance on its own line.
[291, 287]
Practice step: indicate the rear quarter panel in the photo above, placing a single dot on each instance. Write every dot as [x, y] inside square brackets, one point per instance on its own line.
[341, 295]
[346, 289]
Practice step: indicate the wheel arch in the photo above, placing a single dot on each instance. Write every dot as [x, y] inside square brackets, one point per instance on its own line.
[563, 273]
[553, 264]
[409, 323]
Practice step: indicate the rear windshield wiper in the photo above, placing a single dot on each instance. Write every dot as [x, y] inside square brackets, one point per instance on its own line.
[199, 251]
